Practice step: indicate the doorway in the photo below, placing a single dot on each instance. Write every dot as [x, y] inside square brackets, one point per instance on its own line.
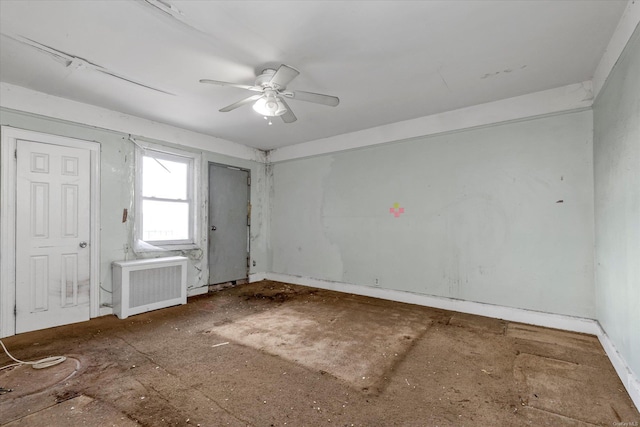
[229, 222]
[50, 231]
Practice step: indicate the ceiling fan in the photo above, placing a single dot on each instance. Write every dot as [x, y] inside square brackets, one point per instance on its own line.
[272, 90]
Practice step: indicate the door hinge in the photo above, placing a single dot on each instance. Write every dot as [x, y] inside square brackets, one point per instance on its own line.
[15, 154]
[15, 309]
[249, 181]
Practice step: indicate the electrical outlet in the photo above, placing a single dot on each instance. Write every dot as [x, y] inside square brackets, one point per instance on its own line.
[377, 281]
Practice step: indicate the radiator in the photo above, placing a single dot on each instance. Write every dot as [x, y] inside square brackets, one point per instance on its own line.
[148, 284]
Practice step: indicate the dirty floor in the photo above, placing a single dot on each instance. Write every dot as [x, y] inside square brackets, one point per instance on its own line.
[274, 354]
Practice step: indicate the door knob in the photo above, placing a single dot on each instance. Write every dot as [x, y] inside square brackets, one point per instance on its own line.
[214, 228]
[83, 244]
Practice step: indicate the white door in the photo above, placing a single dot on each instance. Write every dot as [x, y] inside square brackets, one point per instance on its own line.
[52, 235]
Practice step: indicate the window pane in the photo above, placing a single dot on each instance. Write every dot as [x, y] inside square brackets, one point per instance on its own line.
[164, 178]
[165, 220]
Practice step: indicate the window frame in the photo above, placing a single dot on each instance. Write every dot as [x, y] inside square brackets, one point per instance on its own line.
[192, 160]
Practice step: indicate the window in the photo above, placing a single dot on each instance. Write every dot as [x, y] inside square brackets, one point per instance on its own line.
[166, 210]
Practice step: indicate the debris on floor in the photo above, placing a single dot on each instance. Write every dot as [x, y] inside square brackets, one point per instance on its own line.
[270, 353]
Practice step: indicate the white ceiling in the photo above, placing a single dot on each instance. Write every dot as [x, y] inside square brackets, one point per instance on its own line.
[386, 61]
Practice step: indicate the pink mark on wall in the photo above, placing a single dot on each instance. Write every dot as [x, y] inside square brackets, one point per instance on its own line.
[396, 210]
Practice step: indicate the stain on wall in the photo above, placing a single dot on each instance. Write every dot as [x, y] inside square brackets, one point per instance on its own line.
[302, 246]
[481, 221]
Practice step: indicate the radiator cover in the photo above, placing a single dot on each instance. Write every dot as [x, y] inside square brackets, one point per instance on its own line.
[148, 284]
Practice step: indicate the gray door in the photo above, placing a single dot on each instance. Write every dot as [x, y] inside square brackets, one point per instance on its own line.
[228, 224]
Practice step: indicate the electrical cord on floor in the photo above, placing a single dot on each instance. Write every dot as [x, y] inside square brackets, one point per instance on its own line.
[47, 362]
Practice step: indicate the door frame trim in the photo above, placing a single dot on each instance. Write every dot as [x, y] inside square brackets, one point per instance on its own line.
[8, 182]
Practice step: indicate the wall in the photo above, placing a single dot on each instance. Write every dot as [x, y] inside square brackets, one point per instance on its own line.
[617, 204]
[500, 215]
[116, 194]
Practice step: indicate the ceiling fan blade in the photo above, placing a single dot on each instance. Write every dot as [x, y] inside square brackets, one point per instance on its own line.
[240, 103]
[239, 86]
[283, 76]
[288, 116]
[316, 98]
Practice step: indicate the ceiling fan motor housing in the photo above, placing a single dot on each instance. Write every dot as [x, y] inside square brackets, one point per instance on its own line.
[263, 79]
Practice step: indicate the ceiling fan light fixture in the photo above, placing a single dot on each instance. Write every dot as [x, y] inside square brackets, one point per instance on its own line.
[269, 106]
[272, 87]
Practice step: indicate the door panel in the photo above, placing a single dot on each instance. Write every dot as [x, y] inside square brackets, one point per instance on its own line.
[228, 226]
[52, 235]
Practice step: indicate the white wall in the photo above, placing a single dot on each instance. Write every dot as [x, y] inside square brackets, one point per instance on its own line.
[482, 220]
[617, 205]
[116, 194]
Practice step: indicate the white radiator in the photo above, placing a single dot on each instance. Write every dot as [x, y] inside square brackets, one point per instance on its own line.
[148, 284]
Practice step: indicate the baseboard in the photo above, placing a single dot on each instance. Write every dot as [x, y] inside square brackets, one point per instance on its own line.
[538, 318]
[105, 311]
[256, 277]
[629, 379]
[192, 292]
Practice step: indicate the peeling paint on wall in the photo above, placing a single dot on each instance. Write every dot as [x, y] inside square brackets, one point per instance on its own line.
[117, 179]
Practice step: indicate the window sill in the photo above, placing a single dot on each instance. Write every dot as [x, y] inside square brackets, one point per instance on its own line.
[141, 246]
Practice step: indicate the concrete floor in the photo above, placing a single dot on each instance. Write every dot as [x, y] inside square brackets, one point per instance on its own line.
[273, 354]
